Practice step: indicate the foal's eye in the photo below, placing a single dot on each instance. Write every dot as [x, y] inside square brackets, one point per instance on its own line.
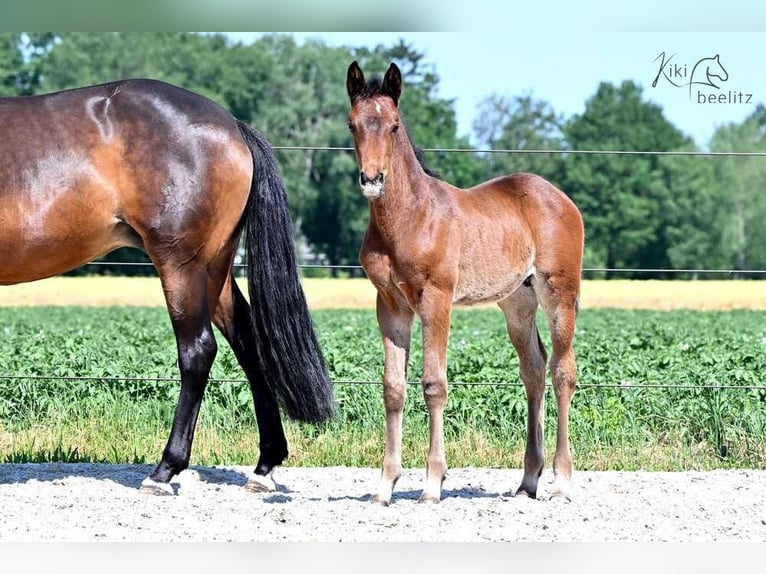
[395, 128]
[350, 127]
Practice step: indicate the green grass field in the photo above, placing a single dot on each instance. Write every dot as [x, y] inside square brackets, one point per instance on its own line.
[660, 390]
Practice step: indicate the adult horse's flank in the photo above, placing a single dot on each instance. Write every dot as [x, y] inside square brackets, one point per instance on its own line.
[145, 164]
[516, 240]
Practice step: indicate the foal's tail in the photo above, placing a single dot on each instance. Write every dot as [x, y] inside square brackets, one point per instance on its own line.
[288, 351]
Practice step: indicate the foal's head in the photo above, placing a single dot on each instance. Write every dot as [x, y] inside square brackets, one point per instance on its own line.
[374, 123]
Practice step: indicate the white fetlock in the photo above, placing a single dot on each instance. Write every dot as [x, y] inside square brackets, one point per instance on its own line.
[432, 493]
[562, 489]
[385, 490]
[261, 483]
[149, 486]
[383, 497]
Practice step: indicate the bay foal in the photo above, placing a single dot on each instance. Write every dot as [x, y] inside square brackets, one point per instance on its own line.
[516, 240]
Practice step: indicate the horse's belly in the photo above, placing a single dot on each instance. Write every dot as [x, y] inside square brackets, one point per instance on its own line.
[39, 240]
[22, 262]
[488, 292]
[490, 282]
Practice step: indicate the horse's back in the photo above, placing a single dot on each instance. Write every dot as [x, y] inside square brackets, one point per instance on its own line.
[67, 101]
[527, 190]
[135, 114]
[527, 199]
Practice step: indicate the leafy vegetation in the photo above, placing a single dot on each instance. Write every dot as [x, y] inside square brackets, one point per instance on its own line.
[658, 390]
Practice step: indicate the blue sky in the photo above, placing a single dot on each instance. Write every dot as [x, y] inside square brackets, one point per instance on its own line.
[565, 67]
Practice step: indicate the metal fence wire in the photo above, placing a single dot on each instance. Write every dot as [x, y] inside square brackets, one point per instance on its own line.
[585, 270]
[622, 385]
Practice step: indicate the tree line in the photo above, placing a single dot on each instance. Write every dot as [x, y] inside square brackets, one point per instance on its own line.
[645, 211]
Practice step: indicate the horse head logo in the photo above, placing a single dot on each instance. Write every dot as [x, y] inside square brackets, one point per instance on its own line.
[705, 71]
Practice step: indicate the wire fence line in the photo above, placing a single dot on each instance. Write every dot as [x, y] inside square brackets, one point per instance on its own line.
[622, 385]
[546, 151]
[585, 270]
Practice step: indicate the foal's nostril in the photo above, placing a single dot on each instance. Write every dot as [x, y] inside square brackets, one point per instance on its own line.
[364, 179]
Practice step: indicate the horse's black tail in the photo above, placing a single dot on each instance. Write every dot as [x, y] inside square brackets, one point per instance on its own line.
[288, 352]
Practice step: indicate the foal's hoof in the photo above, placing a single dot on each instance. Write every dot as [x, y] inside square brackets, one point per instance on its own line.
[261, 483]
[381, 500]
[561, 495]
[149, 486]
[428, 500]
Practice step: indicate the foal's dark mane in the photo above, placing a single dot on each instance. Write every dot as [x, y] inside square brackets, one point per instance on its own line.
[421, 160]
[374, 88]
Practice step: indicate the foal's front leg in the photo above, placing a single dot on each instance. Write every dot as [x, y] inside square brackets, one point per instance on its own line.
[395, 322]
[435, 310]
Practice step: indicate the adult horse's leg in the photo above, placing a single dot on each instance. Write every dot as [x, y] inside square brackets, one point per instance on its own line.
[435, 311]
[232, 317]
[559, 300]
[520, 311]
[187, 301]
[396, 329]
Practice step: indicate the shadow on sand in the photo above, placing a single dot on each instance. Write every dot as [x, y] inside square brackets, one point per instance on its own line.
[127, 475]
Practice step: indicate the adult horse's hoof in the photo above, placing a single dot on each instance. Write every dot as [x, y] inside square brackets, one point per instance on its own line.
[522, 493]
[149, 486]
[260, 483]
[380, 500]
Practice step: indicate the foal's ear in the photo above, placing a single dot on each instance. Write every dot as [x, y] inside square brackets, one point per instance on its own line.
[355, 83]
[392, 83]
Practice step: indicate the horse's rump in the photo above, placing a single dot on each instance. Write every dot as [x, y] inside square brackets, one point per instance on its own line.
[128, 163]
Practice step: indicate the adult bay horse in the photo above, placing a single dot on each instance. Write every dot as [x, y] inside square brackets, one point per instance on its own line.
[145, 164]
[516, 240]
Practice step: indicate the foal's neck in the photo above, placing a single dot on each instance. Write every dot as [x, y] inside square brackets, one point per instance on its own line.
[406, 193]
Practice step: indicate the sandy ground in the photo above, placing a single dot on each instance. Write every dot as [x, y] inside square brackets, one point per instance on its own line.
[87, 502]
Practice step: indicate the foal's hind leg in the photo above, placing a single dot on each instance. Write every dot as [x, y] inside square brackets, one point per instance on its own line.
[187, 301]
[232, 317]
[558, 297]
[520, 312]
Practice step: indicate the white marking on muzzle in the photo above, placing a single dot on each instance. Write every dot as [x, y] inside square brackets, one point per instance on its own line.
[372, 190]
